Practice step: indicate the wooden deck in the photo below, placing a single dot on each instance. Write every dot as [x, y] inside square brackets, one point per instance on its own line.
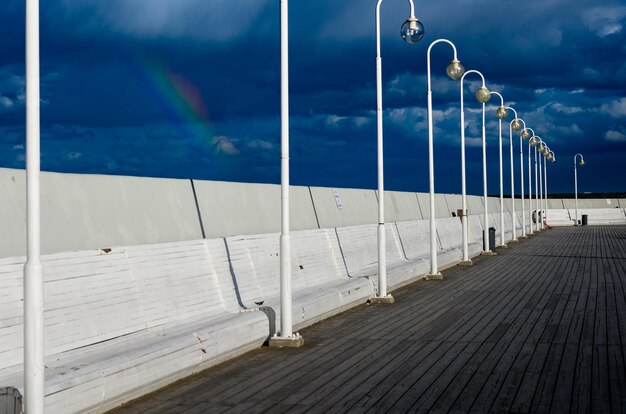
[539, 328]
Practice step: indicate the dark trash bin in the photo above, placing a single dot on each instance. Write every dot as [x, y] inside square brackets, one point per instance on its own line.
[585, 219]
[492, 239]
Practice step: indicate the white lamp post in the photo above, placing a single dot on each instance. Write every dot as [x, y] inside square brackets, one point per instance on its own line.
[514, 125]
[543, 151]
[412, 31]
[454, 70]
[286, 337]
[581, 163]
[530, 180]
[546, 155]
[534, 141]
[34, 368]
[482, 95]
[550, 157]
[501, 113]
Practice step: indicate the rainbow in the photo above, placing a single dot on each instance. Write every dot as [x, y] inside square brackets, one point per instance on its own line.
[180, 99]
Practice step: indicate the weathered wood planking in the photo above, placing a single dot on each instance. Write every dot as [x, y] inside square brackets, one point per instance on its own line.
[539, 328]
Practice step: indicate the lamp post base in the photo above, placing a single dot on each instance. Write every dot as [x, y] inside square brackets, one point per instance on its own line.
[514, 240]
[488, 253]
[295, 341]
[381, 299]
[502, 246]
[466, 263]
[435, 276]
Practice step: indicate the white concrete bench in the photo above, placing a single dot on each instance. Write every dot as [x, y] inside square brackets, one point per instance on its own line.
[123, 322]
[359, 245]
[559, 217]
[450, 233]
[475, 236]
[321, 286]
[601, 216]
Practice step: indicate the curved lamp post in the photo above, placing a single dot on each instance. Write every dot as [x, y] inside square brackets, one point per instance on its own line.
[285, 337]
[454, 70]
[412, 31]
[526, 134]
[534, 142]
[545, 150]
[550, 157]
[515, 125]
[34, 368]
[582, 164]
[501, 113]
[482, 95]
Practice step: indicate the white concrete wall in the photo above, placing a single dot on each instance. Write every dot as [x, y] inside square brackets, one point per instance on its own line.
[80, 212]
[454, 202]
[474, 205]
[441, 207]
[230, 209]
[351, 207]
[555, 203]
[401, 206]
[591, 203]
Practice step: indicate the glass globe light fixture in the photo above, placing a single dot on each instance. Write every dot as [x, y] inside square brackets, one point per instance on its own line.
[581, 162]
[483, 95]
[455, 70]
[516, 125]
[412, 30]
[525, 134]
[533, 141]
[502, 113]
[542, 148]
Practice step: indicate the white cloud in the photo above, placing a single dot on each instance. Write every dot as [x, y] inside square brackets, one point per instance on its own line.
[615, 136]
[605, 21]
[559, 107]
[617, 109]
[6, 102]
[225, 145]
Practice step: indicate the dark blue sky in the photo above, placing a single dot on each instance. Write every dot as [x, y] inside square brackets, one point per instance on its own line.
[190, 88]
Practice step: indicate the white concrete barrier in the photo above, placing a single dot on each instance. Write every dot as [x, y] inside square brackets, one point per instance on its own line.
[441, 207]
[230, 209]
[81, 212]
[401, 206]
[342, 207]
[559, 217]
[123, 322]
[600, 216]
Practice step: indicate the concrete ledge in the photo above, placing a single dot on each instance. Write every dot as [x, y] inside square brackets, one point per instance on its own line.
[382, 300]
[436, 276]
[295, 341]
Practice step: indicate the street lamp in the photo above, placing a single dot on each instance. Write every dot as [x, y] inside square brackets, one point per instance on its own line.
[514, 125]
[482, 95]
[526, 134]
[501, 113]
[545, 151]
[535, 142]
[286, 337]
[454, 70]
[582, 164]
[412, 31]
